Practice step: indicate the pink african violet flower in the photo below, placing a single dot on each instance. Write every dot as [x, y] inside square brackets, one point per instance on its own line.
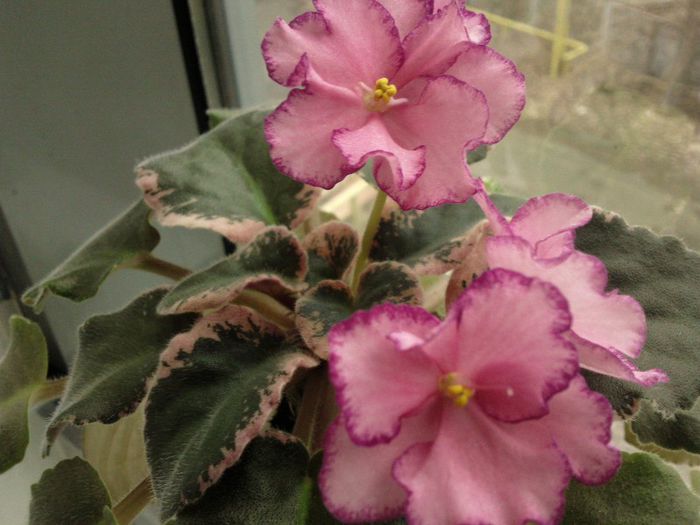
[482, 418]
[400, 81]
[608, 329]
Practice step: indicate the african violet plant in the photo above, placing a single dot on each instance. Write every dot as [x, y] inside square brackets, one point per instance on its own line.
[302, 379]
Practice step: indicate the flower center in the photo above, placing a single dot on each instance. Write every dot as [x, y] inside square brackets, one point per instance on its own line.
[381, 97]
[451, 387]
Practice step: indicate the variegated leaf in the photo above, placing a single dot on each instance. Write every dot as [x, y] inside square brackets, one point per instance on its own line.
[225, 181]
[118, 354]
[664, 276]
[473, 264]
[433, 241]
[332, 247]
[265, 486]
[645, 491]
[70, 493]
[22, 369]
[216, 389]
[120, 243]
[329, 302]
[273, 259]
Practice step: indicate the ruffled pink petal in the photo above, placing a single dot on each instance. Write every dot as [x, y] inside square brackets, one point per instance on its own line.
[479, 471]
[511, 349]
[345, 42]
[374, 141]
[580, 421]
[432, 46]
[605, 318]
[285, 47]
[376, 384]
[356, 481]
[300, 130]
[441, 4]
[478, 27]
[610, 362]
[547, 223]
[476, 24]
[497, 78]
[407, 13]
[448, 118]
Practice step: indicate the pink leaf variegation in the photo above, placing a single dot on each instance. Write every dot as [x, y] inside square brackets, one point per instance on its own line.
[216, 389]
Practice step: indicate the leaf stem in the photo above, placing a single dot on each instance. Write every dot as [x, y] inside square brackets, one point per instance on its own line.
[268, 307]
[133, 503]
[318, 408]
[149, 263]
[51, 389]
[367, 238]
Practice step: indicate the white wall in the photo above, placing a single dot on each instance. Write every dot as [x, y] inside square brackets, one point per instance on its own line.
[87, 89]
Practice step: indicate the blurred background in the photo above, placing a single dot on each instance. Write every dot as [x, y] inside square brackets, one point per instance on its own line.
[89, 88]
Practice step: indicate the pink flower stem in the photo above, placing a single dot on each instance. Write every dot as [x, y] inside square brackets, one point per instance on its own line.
[367, 238]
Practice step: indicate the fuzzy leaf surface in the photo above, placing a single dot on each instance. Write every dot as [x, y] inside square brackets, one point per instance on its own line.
[433, 241]
[118, 453]
[263, 487]
[664, 276]
[225, 181]
[22, 369]
[331, 248]
[680, 431]
[219, 115]
[79, 277]
[217, 387]
[117, 355]
[329, 302]
[274, 258]
[645, 491]
[71, 493]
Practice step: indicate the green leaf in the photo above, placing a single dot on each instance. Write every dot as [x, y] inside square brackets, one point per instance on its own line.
[219, 115]
[432, 242]
[263, 487]
[118, 354]
[225, 181]
[71, 493]
[664, 276]
[331, 249]
[120, 243]
[22, 370]
[118, 453]
[274, 258]
[477, 155]
[645, 491]
[217, 388]
[680, 431]
[329, 302]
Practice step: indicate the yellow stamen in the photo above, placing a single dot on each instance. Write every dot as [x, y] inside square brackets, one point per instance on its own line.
[450, 387]
[455, 390]
[383, 90]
